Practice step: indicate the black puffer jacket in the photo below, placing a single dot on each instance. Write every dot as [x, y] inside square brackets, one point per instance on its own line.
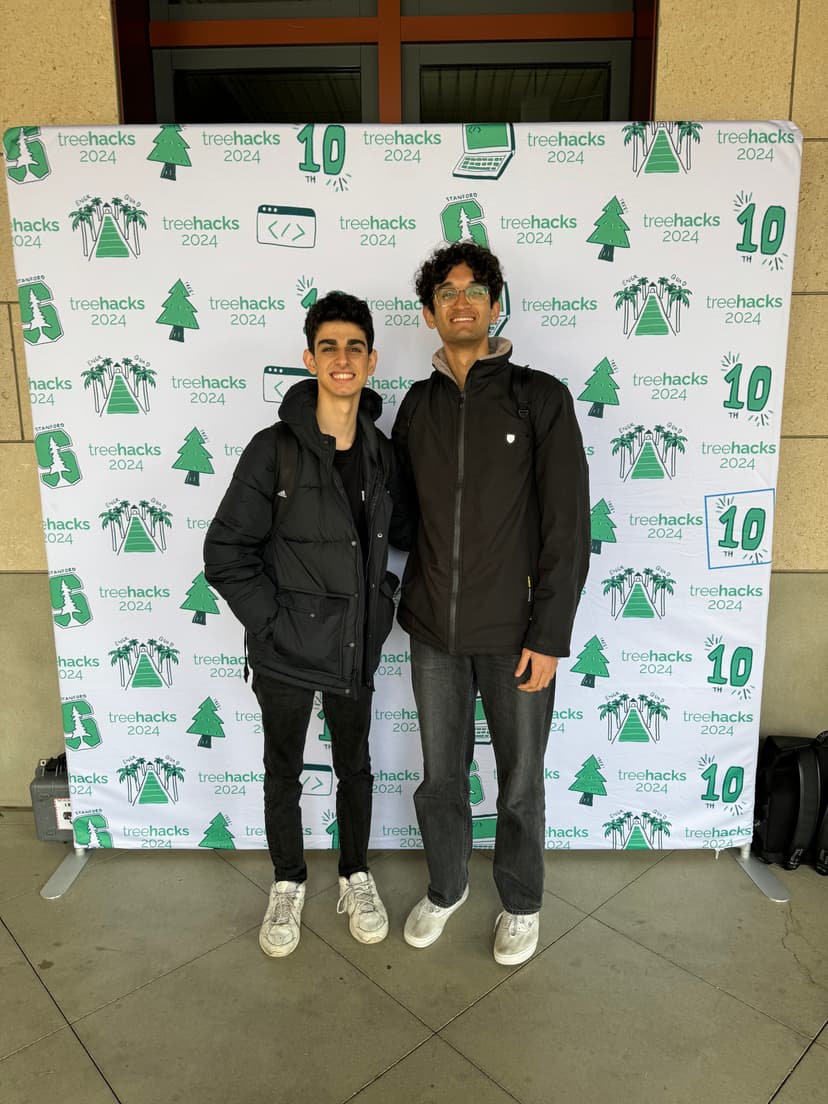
[314, 614]
[501, 550]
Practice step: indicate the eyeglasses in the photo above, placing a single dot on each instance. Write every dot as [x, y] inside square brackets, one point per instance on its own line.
[475, 293]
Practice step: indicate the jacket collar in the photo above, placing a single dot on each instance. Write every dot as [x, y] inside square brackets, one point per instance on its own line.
[298, 410]
[500, 349]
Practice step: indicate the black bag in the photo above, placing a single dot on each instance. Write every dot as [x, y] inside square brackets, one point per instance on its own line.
[788, 800]
[818, 851]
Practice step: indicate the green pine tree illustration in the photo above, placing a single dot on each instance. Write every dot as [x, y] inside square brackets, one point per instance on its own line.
[178, 312]
[602, 527]
[193, 458]
[591, 662]
[170, 149]
[601, 390]
[589, 782]
[207, 723]
[217, 835]
[610, 231]
[201, 599]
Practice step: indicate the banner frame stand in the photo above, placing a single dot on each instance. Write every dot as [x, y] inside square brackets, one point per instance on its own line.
[761, 875]
[64, 877]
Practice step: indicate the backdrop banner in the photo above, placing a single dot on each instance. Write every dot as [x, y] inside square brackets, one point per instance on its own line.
[164, 275]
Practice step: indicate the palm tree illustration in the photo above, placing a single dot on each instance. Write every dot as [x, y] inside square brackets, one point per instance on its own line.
[622, 445]
[661, 826]
[609, 711]
[134, 216]
[110, 518]
[626, 297]
[613, 585]
[145, 376]
[120, 655]
[687, 132]
[168, 655]
[82, 217]
[673, 441]
[635, 133]
[661, 583]
[680, 297]
[94, 377]
[127, 774]
[159, 518]
[613, 827]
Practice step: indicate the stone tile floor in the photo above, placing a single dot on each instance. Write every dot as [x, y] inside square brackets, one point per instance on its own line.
[660, 977]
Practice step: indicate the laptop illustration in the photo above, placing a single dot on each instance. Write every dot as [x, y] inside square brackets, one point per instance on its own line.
[488, 149]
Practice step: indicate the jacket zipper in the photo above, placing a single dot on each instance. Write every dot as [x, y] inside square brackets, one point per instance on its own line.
[361, 576]
[455, 544]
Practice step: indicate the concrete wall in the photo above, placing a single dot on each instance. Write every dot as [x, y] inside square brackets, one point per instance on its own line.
[743, 60]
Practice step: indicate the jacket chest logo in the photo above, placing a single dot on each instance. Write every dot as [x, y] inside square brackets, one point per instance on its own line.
[510, 438]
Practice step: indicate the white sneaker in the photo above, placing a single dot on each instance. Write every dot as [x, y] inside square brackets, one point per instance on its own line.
[426, 921]
[516, 937]
[279, 933]
[359, 898]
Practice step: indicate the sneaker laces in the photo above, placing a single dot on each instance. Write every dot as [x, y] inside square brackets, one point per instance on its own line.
[362, 894]
[283, 907]
[517, 922]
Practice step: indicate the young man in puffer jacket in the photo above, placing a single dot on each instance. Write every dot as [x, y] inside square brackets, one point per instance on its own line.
[306, 576]
[492, 457]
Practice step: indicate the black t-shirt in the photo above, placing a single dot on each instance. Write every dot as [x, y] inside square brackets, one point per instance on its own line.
[348, 463]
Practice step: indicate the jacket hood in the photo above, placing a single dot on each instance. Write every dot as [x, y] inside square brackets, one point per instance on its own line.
[298, 407]
[500, 348]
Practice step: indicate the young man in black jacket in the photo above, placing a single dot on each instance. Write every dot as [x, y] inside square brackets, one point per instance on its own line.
[492, 456]
[304, 570]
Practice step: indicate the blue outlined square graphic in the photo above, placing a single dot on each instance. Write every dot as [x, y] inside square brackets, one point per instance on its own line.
[739, 528]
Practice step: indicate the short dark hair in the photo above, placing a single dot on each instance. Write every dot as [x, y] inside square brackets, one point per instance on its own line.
[484, 265]
[339, 306]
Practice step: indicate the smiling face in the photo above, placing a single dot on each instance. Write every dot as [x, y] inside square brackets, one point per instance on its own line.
[462, 323]
[340, 359]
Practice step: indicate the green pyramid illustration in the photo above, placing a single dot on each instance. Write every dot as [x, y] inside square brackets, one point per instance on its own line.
[638, 604]
[661, 158]
[648, 465]
[633, 730]
[637, 841]
[652, 321]
[111, 242]
[152, 792]
[145, 674]
[120, 399]
[137, 538]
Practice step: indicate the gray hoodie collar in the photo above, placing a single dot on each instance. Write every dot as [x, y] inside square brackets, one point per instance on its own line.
[498, 347]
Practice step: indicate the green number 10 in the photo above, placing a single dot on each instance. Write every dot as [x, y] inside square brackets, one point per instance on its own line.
[333, 149]
[773, 229]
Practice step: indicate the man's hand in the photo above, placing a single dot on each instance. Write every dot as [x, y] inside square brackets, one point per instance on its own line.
[542, 673]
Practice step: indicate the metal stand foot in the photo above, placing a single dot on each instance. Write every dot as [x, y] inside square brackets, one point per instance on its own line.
[65, 874]
[761, 875]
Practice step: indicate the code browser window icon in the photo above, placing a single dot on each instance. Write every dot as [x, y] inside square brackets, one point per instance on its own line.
[291, 227]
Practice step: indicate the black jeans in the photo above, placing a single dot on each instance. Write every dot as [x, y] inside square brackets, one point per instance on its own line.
[286, 712]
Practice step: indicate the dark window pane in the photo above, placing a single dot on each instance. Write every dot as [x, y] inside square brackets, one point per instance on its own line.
[531, 93]
[268, 96]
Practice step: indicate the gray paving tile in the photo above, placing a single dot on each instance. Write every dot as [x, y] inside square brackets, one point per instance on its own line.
[597, 1018]
[807, 1084]
[236, 1026]
[433, 1074]
[706, 915]
[822, 1038]
[129, 920]
[27, 862]
[57, 1070]
[436, 982]
[589, 878]
[27, 1012]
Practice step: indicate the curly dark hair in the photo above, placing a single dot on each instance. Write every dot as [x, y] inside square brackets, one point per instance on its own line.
[339, 306]
[484, 265]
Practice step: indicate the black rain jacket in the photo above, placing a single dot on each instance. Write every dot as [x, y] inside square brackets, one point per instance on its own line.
[501, 551]
[314, 614]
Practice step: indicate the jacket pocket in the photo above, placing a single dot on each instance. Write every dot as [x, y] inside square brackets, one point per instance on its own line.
[309, 631]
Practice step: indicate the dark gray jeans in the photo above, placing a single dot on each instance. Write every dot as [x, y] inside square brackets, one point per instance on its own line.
[445, 687]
